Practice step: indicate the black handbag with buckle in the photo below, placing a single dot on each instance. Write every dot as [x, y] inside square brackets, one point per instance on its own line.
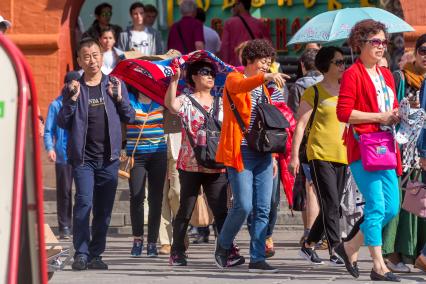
[268, 133]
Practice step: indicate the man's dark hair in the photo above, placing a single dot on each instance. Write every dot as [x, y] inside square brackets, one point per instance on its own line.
[193, 69]
[87, 41]
[150, 9]
[324, 57]
[257, 49]
[308, 58]
[136, 5]
[105, 30]
[100, 7]
[201, 15]
[246, 4]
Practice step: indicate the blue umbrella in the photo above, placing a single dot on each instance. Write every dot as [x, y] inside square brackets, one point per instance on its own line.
[336, 25]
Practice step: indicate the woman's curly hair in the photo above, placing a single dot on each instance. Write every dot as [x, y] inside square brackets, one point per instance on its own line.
[362, 30]
[257, 49]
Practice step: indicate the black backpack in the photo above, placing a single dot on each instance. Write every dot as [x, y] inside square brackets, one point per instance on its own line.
[206, 154]
[268, 133]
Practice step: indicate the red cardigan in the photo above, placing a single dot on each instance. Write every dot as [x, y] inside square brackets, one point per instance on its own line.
[357, 92]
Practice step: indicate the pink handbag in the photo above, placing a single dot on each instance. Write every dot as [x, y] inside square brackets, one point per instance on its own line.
[377, 151]
[415, 197]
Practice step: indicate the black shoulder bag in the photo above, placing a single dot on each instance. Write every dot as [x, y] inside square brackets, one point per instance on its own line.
[268, 133]
[205, 154]
[302, 150]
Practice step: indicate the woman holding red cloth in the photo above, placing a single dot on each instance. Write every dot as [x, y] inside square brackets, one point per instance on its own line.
[367, 101]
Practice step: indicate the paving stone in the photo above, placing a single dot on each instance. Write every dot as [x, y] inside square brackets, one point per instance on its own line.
[201, 267]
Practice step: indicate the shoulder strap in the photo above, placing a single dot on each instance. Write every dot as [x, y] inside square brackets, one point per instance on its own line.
[314, 110]
[198, 106]
[190, 138]
[216, 107]
[236, 113]
[185, 49]
[247, 27]
[401, 86]
[140, 132]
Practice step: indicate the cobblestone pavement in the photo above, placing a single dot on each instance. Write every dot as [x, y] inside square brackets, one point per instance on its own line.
[202, 270]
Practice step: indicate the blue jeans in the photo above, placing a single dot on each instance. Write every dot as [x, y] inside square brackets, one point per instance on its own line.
[424, 250]
[380, 190]
[252, 191]
[275, 202]
[96, 184]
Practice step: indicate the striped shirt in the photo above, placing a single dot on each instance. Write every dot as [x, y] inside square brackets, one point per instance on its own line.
[152, 139]
[256, 96]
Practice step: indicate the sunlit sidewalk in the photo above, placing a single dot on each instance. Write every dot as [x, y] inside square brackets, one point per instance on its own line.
[201, 268]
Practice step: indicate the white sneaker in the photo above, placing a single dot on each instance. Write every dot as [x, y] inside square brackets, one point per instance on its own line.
[398, 268]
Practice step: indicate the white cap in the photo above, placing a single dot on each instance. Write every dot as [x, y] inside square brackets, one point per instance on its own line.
[6, 22]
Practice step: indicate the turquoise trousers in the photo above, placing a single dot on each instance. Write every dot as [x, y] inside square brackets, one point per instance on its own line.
[381, 195]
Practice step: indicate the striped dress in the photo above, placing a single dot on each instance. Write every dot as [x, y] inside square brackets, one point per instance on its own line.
[152, 139]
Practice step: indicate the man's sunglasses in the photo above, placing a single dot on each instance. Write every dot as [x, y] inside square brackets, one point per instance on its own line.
[422, 50]
[339, 63]
[106, 14]
[375, 42]
[205, 71]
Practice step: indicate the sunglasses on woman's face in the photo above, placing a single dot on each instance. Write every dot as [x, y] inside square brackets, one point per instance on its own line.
[205, 71]
[339, 63]
[422, 50]
[375, 42]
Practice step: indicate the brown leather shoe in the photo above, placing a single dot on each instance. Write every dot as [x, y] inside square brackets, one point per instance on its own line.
[165, 249]
[420, 263]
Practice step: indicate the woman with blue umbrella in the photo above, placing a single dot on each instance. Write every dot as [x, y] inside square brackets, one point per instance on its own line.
[367, 101]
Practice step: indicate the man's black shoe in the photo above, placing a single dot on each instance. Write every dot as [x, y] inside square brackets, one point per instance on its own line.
[221, 256]
[65, 233]
[389, 276]
[261, 267]
[310, 255]
[80, 262]
[352, 268]
[97, 263]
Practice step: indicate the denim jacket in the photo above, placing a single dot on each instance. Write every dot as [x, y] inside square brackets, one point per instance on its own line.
[73, 116]
[55, 138]
[421, 142]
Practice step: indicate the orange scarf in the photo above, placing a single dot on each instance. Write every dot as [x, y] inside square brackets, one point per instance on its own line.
[413, 78]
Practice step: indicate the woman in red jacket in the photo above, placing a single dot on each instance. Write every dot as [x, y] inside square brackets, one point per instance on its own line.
[367, 102]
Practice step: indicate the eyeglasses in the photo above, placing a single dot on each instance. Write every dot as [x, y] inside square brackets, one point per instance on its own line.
[375, 42]
[205, 71]
[422, 50]
[339, 63]
[106, 14]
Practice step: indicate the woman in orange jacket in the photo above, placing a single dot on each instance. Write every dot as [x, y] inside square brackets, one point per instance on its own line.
[250, 173]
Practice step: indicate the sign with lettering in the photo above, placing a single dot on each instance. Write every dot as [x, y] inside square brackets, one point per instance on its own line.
[283, 17]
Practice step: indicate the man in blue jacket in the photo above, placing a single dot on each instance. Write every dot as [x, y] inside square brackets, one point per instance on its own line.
[92, 111]
[55, 143]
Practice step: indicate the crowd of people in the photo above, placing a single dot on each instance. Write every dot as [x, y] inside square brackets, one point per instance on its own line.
[98, 120]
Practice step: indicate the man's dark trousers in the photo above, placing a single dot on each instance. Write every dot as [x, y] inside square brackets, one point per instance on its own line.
[96, 184]
[63, 194]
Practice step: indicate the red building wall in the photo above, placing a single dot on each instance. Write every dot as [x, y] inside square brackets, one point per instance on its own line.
[41, 28]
